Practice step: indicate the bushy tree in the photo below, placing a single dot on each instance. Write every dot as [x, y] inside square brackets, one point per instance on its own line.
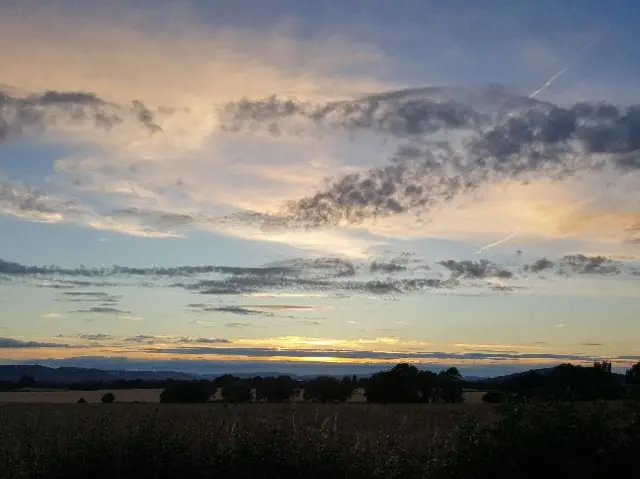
[108, 398]
[187, 392]
[401, 384]
[633, 374]
[278, 389]
[82, 401]
[237, 392]
[328, 389]
[450, 385]
[404, 383]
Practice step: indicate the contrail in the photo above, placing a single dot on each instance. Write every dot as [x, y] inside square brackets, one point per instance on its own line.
[564, 69]
[548, 83]
[496, 243]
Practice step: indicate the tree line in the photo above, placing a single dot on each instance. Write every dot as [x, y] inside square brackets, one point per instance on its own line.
[403, 383]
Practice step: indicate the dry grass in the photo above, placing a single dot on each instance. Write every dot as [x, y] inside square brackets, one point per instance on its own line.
[68, 397]
[147, 396]
[307, 441]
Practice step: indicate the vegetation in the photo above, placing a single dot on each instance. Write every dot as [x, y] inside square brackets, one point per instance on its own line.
[566, 382]
[633, 375]
[280, 389]
[236, 392]
[321, 441]
[328, 389]
[108, 398]
[405, 383]
[187, 392]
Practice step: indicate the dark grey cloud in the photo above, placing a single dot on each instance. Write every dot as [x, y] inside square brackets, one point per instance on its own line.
[475, 269]
[102, 310]
[141, 338]
[96, 337]
[506, 137]
[151, 339]
[39, 112]
[87, 294]
[402, 115]
[387, 267]
[17, 269]
[577, 264]
[160, 219]
[379, 355]
[581, 264]
[244, 311]
[541, 264]
[9, 343]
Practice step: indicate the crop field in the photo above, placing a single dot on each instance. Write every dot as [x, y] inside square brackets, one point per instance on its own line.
[144, 396]
[307, 440]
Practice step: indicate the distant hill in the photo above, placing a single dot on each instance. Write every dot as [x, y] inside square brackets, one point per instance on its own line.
[69, 375]
[510, 378]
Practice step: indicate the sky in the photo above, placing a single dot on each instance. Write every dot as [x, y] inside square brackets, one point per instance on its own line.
[263, 185]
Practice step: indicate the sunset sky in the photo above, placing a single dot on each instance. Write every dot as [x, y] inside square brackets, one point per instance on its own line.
[277, 185]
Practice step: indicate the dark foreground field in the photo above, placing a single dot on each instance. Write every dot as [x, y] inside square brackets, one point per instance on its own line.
[318, 441]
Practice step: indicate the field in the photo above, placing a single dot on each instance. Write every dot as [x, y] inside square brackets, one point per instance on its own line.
[305, 440]
[69, 397]
[142, 395]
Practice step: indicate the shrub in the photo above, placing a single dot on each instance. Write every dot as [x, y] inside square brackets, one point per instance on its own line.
[108, 398]
[493, 397]
[82, 401]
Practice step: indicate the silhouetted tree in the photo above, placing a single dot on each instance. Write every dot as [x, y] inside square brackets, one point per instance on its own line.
[278, 389]
[401, 384]
[187, 392]
[108, 398]
[604, 366]
[450, 385]
[224, 380]
[328, 389]
[632, 376]
[237, 392]
[82, 401]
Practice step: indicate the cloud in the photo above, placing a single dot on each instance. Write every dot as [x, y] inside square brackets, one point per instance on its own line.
[582, 264]
[315, 278]
[103, 310]
[9, 343]
[475, 269]
[32, 204]
[96, 337]
[244, 311]
[162, 159]
[363, 354]
[522, 140]
[237, 325]
[52, 315]
[541, 264]
[40, 112]
[167, 339]
[578, 264]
